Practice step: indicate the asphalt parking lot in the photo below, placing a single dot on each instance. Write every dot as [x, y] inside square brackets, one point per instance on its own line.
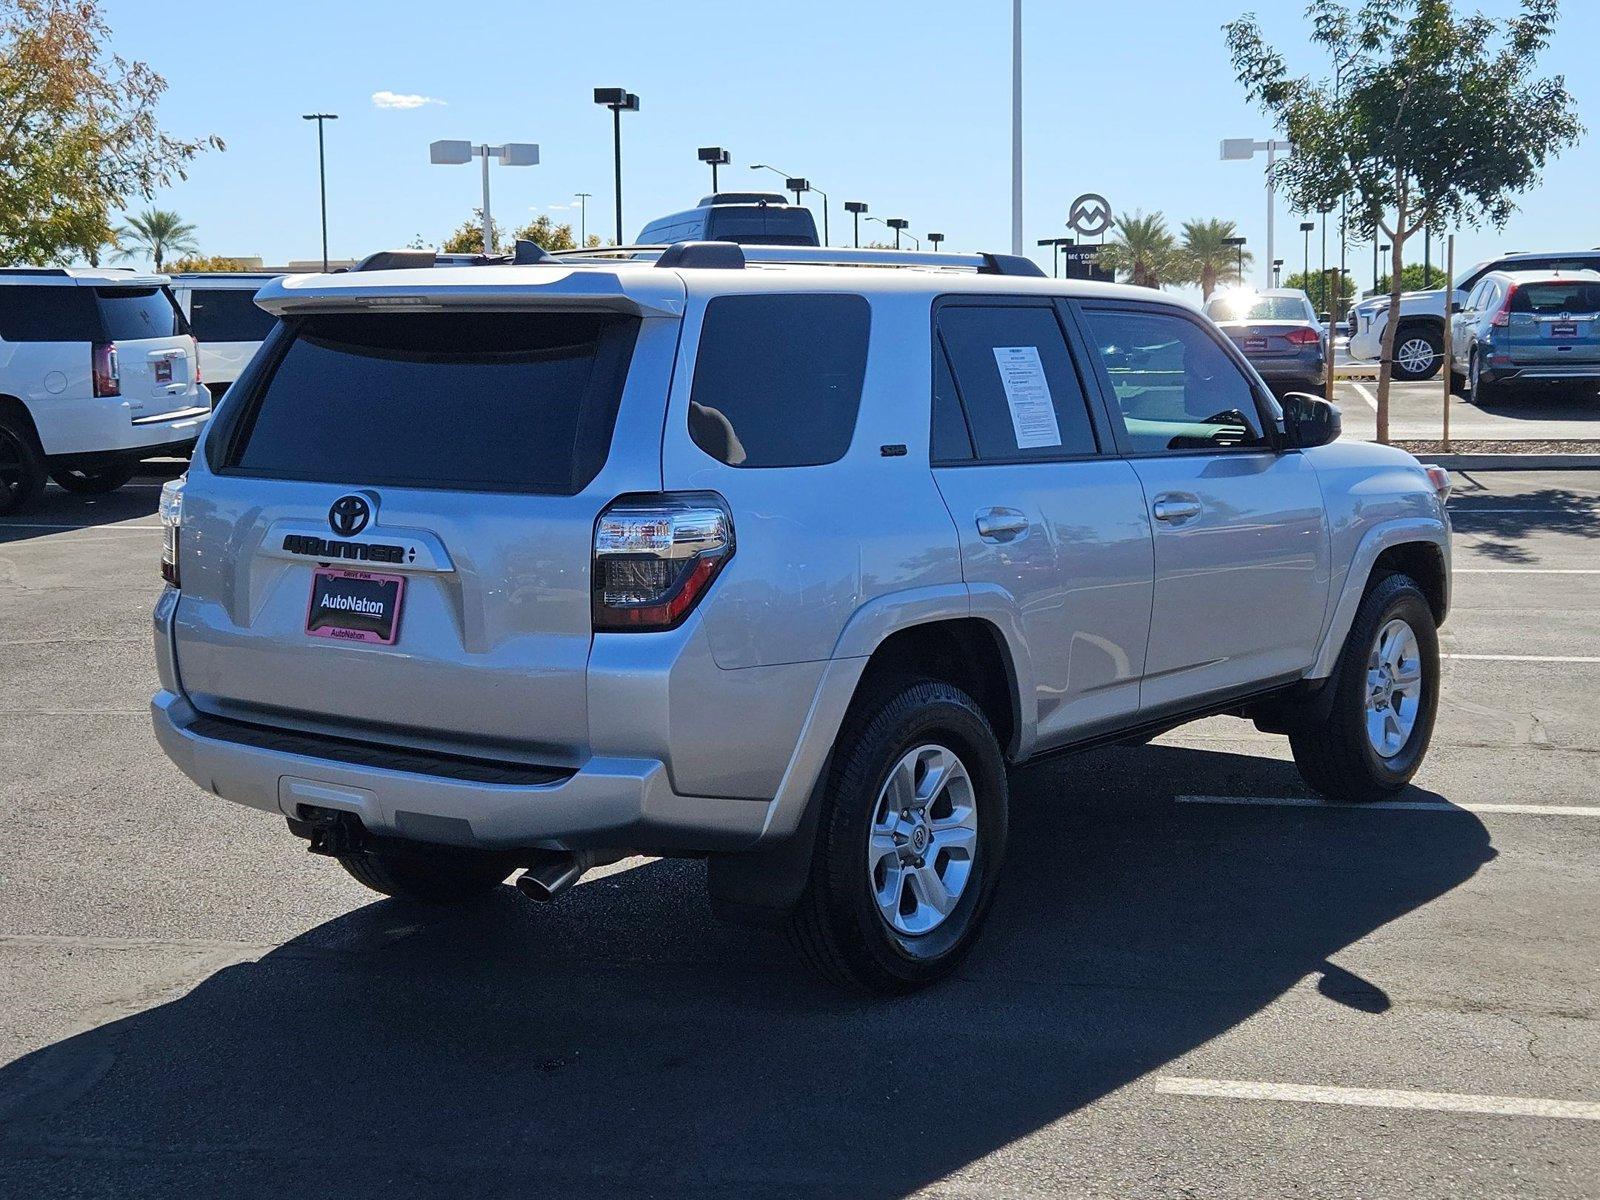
[1417, 412]
[1196, 983]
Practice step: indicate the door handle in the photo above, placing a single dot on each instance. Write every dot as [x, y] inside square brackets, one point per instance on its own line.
[1176, 508]
[1001, 524]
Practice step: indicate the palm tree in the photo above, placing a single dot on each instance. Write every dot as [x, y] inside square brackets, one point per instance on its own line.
[1211, 260]
[157, 232]
[1143, 249]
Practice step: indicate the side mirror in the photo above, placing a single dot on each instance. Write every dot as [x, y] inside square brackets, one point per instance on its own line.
[1309, 421]
[1455, 306]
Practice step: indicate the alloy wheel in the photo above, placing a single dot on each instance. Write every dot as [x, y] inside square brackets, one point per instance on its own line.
[1415, 355]
[923, 840]
[1394, 688]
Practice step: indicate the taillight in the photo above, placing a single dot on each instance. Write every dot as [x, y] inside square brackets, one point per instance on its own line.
[1502, 319]
[107, 375]
[194, 357]
[655, 556]
[171, 510]
[1302, 337]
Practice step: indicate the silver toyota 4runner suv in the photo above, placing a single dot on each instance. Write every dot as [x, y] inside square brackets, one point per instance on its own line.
[779, 557]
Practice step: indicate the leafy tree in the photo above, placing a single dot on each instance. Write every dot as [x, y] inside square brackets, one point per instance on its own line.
[1323, 289]
[1412, 279]
[1143, 249]
[1210, 260]
[543, 231]
[78, 132]
[213, 262]
[468, 237]
[1431, 119]
[157, 232]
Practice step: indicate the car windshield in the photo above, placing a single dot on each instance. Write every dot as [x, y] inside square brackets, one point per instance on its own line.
[1258, 308]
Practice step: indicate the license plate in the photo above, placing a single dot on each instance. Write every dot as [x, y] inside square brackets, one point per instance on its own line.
[355, 606]
[163, 370]
[1255, 344]
[1564, 329]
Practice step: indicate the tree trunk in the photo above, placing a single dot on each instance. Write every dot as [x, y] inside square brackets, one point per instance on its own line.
[1390, 330]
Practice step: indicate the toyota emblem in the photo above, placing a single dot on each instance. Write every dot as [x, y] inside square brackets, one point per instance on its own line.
[349, 515]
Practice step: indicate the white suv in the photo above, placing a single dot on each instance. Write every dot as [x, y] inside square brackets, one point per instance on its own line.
[97, 371]
[222, 313]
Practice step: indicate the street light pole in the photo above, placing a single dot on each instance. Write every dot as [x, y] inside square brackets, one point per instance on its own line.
[322, 177]
[855, 208]
[583, 218]
[1244, 148]
[1237, 243]
[1016, 127]
[714, 157]
[1305, 252]
[897, 224]
[619, 101]
[789, 181]
[512, 154]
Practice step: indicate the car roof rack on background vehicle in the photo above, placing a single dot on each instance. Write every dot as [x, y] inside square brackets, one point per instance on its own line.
[721, 254]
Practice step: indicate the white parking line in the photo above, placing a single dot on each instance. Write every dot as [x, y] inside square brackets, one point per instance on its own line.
[102, 528]
[1539, 658]
[1499, 1106]
[1372, 401]
[1557, 810]
[1526, 570]
[1472, 510]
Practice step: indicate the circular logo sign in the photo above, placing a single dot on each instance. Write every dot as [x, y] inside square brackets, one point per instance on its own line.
[1089, 215]
[349, 515]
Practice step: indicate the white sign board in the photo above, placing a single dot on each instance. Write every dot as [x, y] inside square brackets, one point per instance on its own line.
[1033, 412]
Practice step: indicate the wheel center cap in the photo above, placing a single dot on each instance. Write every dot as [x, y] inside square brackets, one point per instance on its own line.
[919, 838]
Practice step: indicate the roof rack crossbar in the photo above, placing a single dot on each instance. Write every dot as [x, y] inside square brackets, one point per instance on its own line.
[983, 263]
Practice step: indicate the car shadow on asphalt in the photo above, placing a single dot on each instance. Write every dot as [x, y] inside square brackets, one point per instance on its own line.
[58, 511]
[1498, 524]
[622, 1043]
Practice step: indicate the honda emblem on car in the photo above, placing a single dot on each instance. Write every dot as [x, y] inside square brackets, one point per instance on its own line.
[349, 515]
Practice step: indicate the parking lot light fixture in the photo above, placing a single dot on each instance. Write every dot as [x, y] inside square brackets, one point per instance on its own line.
[1236, 149]
[619, 101]
[1277, 272]
[934, 239]
[714, 157]
[1305, 260]
[322, 176]
[511, 154]
[1238, 244]
[1055, 245]
[804, 185]
[855, 208]
[898, 224]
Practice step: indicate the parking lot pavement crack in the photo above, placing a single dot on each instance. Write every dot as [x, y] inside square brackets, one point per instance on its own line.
[1532, 1036]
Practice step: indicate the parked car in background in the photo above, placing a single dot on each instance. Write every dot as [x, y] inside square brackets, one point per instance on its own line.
[98, 370]
[1419, 344]
[748, 218]
[1279, 332]
[1520, 328]
[222, 313]
[784, 567]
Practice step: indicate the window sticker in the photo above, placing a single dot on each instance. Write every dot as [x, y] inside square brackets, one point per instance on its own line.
[1033, 412]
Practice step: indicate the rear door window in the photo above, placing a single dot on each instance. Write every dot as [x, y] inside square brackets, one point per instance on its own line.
[134, 314]
[777, 379]
[63, 313]
[480, 401]
[1017, 384]
[227, 315]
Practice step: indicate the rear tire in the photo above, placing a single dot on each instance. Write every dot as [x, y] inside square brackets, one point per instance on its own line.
[94, 481]
[1380, 724]
[909, 843]
[1418, 353]
[1483, 391]
[22, 465]
[428, 880]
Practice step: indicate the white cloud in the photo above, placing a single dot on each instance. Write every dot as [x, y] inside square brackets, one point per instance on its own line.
[401, 100]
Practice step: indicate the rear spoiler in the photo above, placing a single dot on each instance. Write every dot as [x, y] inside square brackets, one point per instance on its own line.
[398, 289]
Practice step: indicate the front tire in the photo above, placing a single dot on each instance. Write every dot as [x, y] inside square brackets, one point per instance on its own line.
[429, 880]
[910, 842]
[1386, 695]
[94, 481]
[1418, 353]
[22, 465]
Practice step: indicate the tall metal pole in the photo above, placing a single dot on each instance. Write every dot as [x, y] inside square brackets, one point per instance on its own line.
[1272, 149]
[1016, 127]
[322, 177]
[488, 221]
[583, 218]
[1322, 302]
[616, 157]
[1447, 373]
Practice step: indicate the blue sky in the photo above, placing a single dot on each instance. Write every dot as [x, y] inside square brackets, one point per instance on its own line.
[903, 105]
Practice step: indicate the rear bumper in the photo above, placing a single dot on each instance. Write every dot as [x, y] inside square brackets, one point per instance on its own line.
[106, 424]
[608, 802]
[1546, 372]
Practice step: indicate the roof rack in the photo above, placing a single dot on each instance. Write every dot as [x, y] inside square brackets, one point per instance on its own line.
[689, 252]
[58, 272]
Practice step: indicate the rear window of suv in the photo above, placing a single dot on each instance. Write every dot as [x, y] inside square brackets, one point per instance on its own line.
[70, 313]
[1578, 298]
[228, 315]
[479, 401]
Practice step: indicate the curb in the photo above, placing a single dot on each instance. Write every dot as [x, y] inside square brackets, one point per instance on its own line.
[1514, 462]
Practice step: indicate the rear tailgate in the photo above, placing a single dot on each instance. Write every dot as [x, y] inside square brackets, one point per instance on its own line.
[447, 467]
[1553, 322]
[156, 357]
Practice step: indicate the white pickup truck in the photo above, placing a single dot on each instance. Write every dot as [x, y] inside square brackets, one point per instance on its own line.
[1419, 346]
